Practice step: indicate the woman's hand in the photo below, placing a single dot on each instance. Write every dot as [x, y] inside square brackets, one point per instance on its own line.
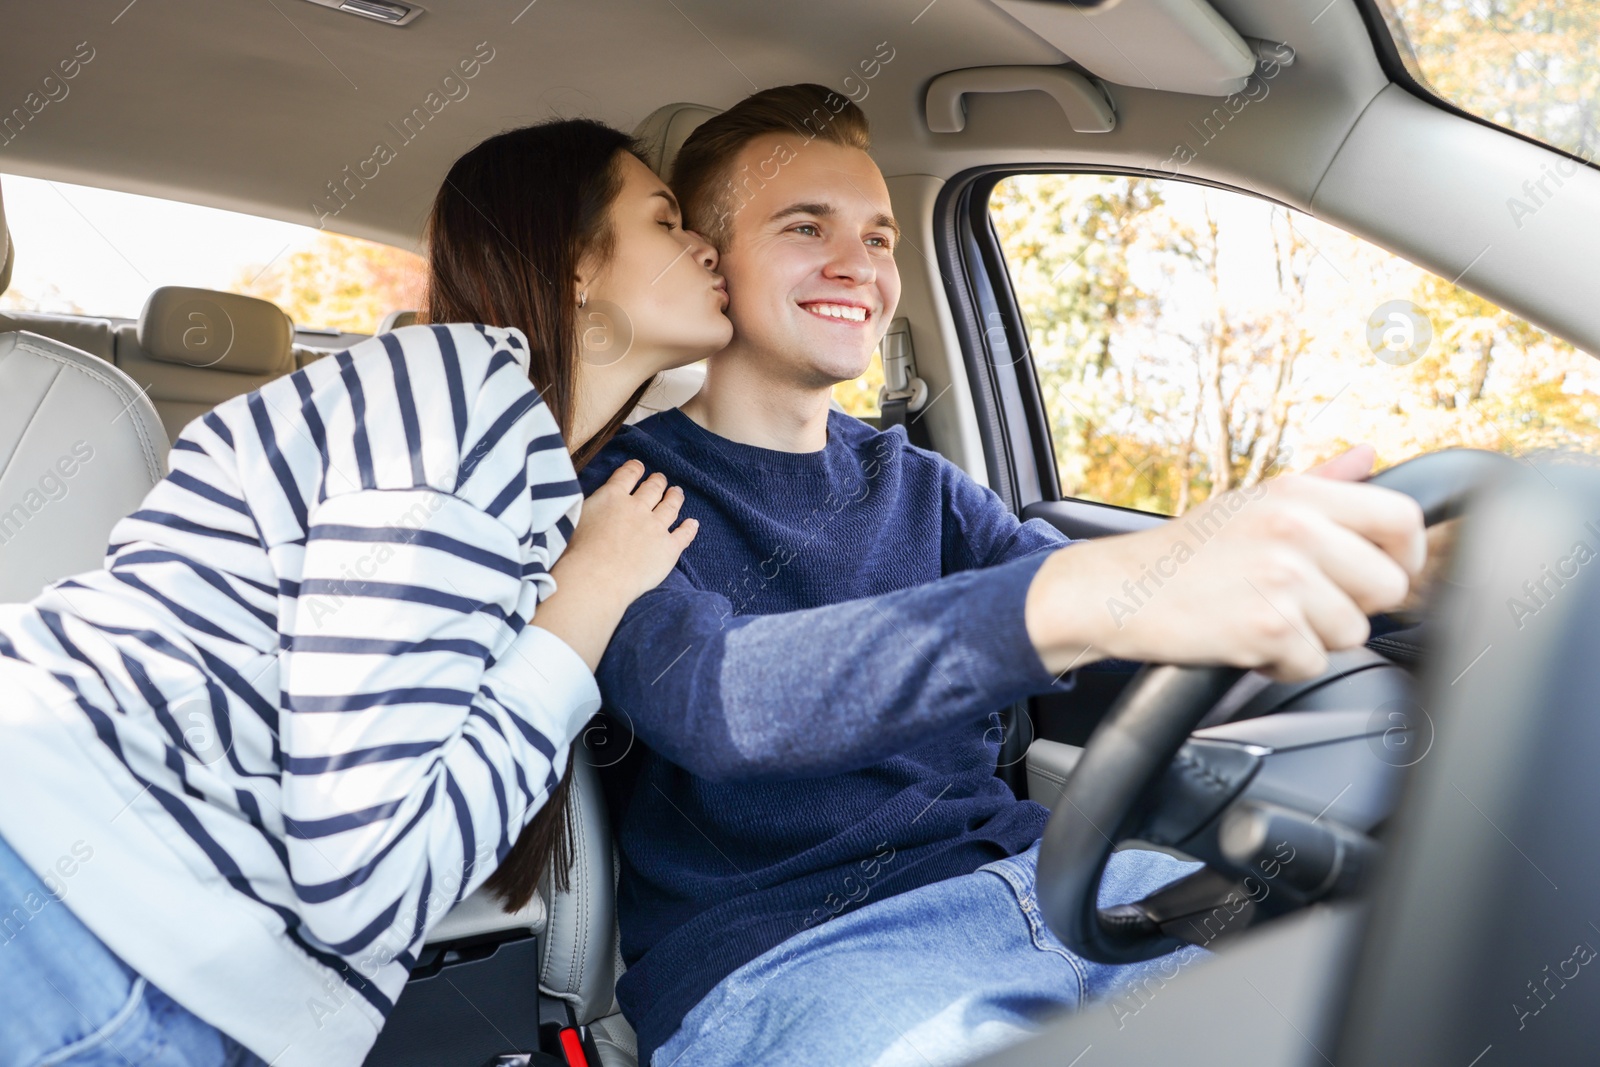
[624, 546]
[625, 534]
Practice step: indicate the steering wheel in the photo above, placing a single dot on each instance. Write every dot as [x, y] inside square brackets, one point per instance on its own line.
[1109, 792]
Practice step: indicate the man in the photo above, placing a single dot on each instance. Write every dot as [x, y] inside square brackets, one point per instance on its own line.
[818, 862]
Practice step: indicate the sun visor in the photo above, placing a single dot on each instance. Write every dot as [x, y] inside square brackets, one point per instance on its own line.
[1179, 46]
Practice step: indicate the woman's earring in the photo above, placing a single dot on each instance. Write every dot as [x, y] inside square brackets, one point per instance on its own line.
[583, 298]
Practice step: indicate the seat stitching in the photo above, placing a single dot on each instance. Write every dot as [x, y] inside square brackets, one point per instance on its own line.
[151, 464]
[1059, 779]
[34, 414]
[580, 944]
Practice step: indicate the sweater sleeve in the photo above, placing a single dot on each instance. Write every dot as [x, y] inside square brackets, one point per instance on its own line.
[979, 530]
[820, 691]
[423, 722]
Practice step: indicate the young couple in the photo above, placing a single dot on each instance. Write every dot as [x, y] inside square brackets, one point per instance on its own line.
[329, 680]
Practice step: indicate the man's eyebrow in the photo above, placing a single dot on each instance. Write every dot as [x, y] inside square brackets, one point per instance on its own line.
[825, 211]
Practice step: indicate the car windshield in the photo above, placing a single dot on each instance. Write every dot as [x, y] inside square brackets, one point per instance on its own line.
[1527, 65]
[88, 251]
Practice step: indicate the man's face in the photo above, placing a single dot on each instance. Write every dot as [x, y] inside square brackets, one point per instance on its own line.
[812, 282]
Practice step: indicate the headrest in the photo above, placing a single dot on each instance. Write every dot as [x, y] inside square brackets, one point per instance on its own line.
[665, 129]
[396, 319]
[7, 250]
[223, 331]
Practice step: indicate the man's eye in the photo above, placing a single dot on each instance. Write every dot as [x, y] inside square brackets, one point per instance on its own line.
[807, 226]
[883, 241]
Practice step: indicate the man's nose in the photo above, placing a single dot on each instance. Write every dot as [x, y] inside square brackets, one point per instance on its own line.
[705, 253]
[848, 259]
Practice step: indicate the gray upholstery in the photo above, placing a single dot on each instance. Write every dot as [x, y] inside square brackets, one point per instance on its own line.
[482, 914]
[90, 335]
[194, 348]
[79, 448]
[579, 952]
[1049, 763]
[7, 252]
[665, 129]
[615, 1040]
[203, 328]
[396, 319]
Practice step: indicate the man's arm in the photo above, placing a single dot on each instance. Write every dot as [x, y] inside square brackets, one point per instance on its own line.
[978, 530]
[1272, 578]
[823, 690]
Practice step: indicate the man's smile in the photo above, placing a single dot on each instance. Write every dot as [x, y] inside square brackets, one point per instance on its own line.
[853, 314]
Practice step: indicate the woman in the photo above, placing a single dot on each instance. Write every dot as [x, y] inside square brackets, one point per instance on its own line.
[334, 665]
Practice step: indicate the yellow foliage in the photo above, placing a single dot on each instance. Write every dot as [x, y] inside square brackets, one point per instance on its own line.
[338, 282]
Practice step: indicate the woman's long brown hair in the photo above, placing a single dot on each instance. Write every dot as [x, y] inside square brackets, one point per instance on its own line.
[508, 228]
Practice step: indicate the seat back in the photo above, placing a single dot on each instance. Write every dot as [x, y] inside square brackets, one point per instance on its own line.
[580, 963]
[80, 446]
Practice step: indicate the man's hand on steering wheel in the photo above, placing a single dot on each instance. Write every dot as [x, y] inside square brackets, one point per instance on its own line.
[1272, 577]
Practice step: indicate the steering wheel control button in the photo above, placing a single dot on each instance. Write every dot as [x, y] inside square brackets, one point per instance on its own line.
[1203, 777]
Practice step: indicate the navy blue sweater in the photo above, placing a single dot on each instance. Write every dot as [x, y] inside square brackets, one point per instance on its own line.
[814, 693]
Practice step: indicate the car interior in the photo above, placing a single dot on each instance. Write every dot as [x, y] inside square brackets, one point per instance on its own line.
[1421, 922]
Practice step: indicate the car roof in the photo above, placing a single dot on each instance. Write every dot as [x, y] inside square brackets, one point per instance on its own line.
[259, 106]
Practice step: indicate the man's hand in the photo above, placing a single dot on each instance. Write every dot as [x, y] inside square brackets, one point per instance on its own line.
[1272, 577]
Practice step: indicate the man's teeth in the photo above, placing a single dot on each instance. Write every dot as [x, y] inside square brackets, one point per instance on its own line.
[838, 311]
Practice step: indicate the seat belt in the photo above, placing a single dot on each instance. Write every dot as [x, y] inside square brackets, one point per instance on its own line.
[903, 394]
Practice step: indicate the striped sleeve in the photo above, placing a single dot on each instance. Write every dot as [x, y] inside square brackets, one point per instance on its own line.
[423, 721]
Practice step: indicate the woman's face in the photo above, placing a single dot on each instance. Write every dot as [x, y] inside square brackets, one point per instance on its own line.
[658, 300]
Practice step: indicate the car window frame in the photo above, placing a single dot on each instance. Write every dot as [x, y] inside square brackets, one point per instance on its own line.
[1395, 69]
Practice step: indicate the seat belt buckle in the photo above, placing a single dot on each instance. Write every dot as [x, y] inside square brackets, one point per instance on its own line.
[572, 1042]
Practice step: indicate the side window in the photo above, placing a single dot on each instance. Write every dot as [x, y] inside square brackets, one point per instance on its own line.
[88, 251]
[860, 397]
[1189, 340]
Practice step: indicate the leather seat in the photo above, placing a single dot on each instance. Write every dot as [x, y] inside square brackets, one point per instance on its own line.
[80, 446]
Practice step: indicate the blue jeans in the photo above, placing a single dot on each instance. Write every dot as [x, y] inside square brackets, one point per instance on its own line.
[938, 975]
[68, 999]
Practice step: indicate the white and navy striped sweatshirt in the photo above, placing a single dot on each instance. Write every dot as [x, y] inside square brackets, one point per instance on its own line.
[301, 712]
